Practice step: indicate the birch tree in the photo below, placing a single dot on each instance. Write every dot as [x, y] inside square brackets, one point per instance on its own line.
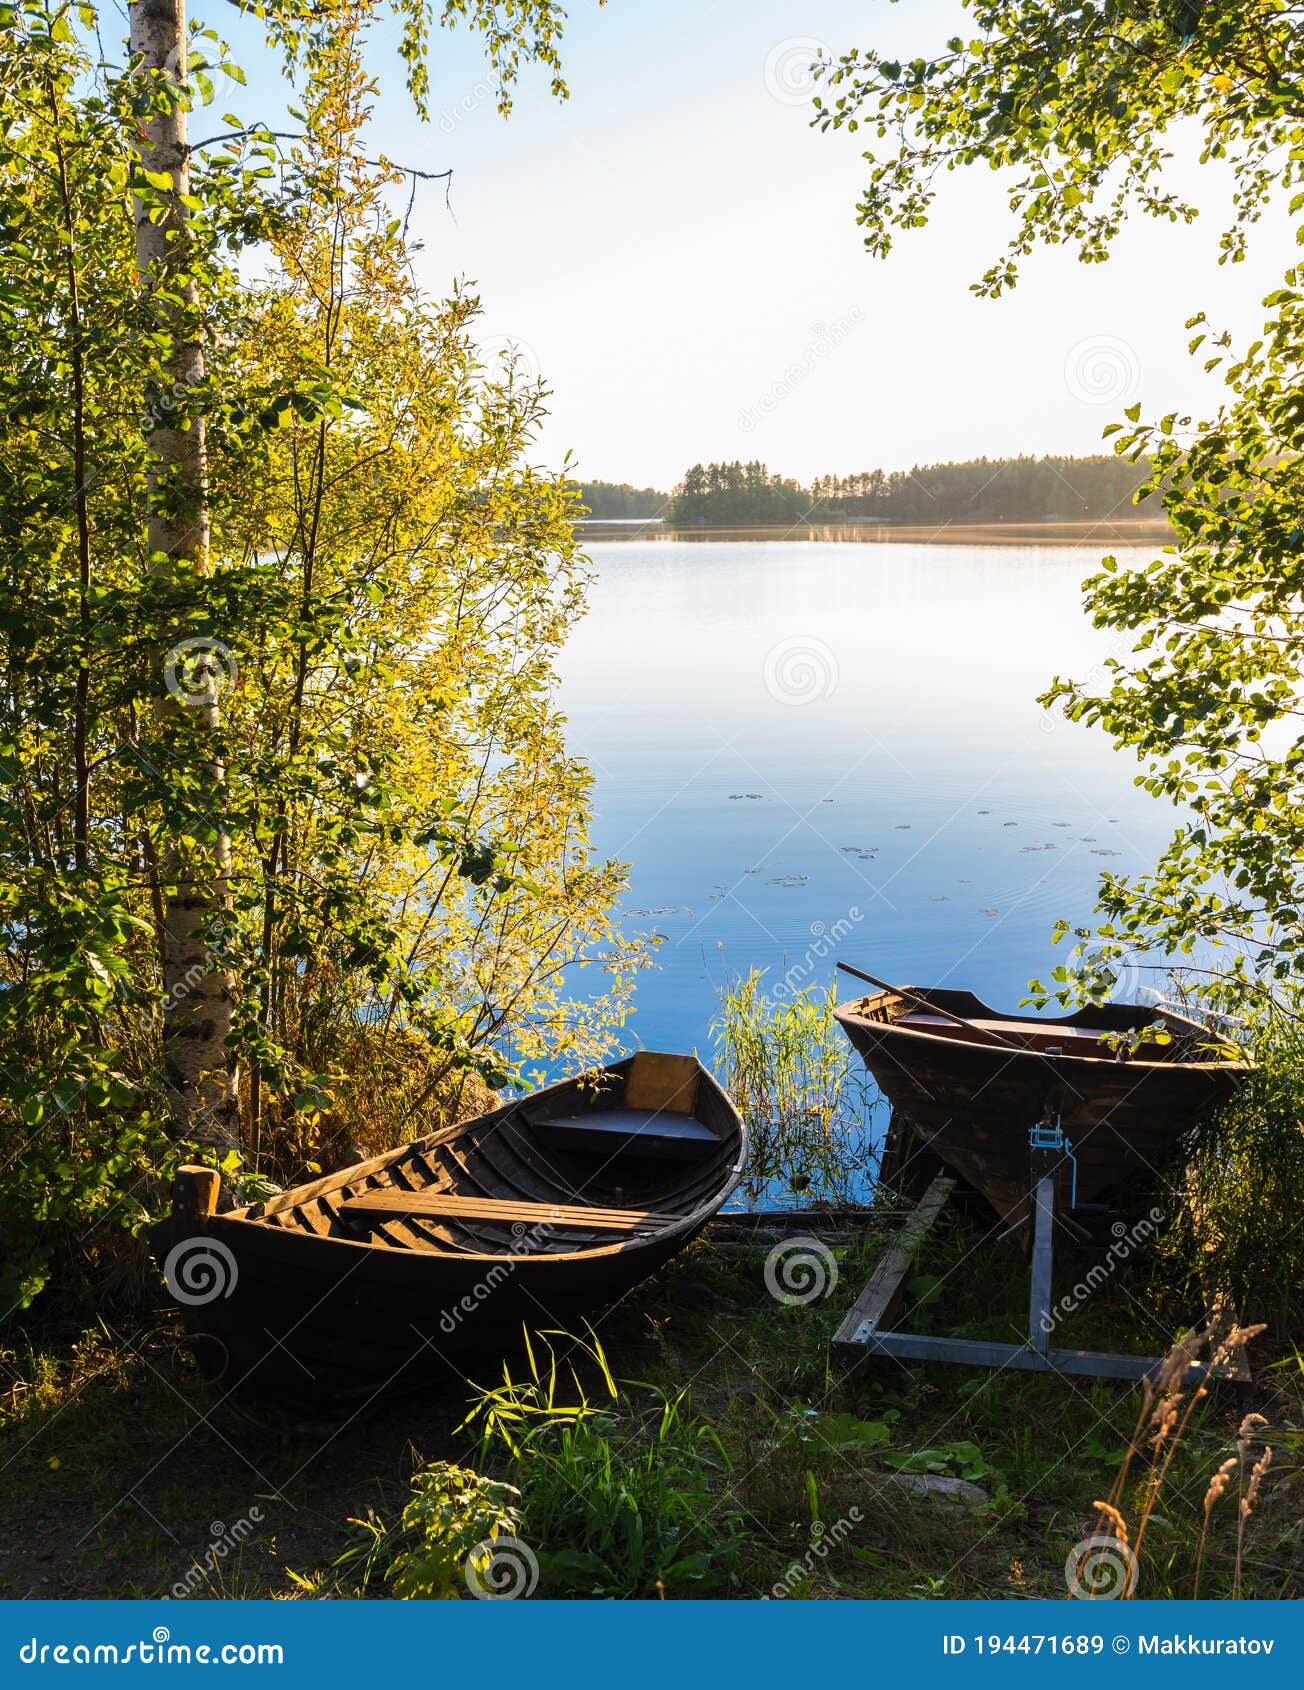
[198, 984]
[200, 1067]
[383, 833]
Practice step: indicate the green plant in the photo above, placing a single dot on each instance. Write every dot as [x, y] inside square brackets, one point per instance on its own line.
[449, 1527]
[620, 1497]
[376, 850]
[961, 1458]
[800, 1088]
[1245, 1188]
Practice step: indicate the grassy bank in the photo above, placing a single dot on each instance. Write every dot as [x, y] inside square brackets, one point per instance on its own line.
[705, 1439]
[124, 1475]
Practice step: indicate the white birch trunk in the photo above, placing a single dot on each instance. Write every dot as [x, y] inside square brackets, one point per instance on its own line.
[199, 1068]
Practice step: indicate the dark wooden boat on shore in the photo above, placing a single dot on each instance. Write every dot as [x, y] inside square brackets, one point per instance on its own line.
[974, 1082]
[540, 1213]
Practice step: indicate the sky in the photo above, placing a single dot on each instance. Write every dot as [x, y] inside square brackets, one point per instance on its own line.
[675, 250]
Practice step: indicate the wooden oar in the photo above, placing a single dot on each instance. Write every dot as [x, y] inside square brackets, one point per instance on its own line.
[935, 1009]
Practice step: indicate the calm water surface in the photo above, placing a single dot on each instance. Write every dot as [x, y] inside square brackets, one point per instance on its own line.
[801, 746]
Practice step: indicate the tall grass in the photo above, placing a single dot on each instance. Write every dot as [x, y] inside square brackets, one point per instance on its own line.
[801, 1089]
[623, 1487]
[1246, 1187]
[1170, 1410]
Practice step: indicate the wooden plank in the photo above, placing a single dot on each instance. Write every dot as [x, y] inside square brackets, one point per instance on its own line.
[614, 1124]
[910, 1164]
[633, 1132]
[840, 1215]
[892, 1156]
[431, 1205]
[660, 1082]
[876, 1302]
[1025, 1036]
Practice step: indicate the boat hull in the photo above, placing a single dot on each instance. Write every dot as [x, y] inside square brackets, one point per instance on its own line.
[350, 1285]
[344, 1318]
[974, 1103]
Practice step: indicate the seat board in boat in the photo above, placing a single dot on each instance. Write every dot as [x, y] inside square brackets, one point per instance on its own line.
[1032, 1035]
[658, 1132]
[375, 1206]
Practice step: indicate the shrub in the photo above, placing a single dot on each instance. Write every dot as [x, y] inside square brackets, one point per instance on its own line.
[1246, 1184]
[449, 1528]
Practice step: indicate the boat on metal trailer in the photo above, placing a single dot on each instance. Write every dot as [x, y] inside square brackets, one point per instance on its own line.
[974, 1082]
[1038, 1115]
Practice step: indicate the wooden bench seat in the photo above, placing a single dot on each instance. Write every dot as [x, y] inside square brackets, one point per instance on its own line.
[375, 1206]
[648, 1132]
[1028, 1035]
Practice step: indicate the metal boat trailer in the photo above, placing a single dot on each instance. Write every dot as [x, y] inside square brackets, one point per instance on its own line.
[867, 1331]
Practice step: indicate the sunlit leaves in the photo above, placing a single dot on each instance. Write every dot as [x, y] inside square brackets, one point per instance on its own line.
[410, 888]
[1076, 106]
[1079, 106]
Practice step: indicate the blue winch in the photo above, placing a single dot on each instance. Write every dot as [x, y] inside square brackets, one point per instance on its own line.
[1047, 1143]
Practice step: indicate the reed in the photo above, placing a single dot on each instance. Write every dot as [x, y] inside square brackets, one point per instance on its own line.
[1246, 1186]
[1168, 1405]
[800, 1088]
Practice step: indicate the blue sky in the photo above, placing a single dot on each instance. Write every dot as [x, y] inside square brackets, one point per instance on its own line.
[676, 251]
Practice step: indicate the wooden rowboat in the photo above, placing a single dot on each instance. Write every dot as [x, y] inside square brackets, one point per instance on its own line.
[539, 1213]
[974, 1082]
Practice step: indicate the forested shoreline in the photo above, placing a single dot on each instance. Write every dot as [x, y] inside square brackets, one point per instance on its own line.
[1022, 489]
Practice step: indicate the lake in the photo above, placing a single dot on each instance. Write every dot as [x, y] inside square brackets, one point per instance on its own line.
[809, 750]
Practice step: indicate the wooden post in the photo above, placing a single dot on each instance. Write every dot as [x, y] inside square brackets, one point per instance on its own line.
[194, 1198]
[909, 1163]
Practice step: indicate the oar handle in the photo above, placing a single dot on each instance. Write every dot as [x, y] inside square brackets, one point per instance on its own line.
[932, 1008]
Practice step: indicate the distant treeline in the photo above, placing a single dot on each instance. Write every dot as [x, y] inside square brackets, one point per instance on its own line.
[1024, 489]
[988, 490]
[618, 498]
[724, 494]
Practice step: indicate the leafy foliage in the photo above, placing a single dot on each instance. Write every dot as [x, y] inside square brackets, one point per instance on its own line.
[1246, 1186]
[454, 1514]
[1209, 699]
[520, 33]
[1078, 103]
[410, 889]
